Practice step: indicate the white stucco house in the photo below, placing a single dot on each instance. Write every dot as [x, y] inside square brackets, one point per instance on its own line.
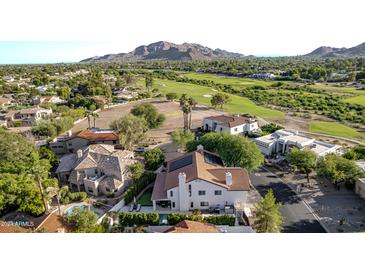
[96, 169]
[199, 180]
[282, 141]
[233, 124]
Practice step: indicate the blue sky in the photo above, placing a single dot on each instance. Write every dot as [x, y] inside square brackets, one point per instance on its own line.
[35, 52]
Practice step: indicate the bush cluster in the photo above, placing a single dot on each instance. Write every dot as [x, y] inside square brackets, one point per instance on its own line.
[138, 186]
[131, 219]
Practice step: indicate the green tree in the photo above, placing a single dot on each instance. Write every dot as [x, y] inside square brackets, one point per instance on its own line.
[171, 96]
[82, 220]
[220, 99]
[14, 147]
[234, 150]
[64, 92]
[95, 116]
[131, 130]
[304, 160]
[148, 81]
[268, 216]
[337, 170]
[154, 158]
[137, 170]
[150, 114]
[182, 137]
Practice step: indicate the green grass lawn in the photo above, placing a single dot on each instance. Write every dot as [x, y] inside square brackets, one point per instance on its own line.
[145, 199]
[357, 100]
[332, 128]
[238, 104]
[234, 81]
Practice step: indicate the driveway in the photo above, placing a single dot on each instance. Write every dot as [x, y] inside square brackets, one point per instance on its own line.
[298, 217]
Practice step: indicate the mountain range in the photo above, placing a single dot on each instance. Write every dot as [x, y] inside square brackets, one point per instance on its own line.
[191, 51]
[357, 51]
[168, 51]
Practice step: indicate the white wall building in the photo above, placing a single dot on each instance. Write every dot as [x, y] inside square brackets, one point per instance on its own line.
[234, 124]
[199, 180]
[282, 141]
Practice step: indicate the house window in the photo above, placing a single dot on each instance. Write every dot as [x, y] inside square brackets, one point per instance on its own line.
[70, 144]
[189, 190]
[191, 204]
[114, 142]
[204, 204]
[217, 192]
[171, 193]
[201, 192]
[89, 189]
[108, 189]
[235, 129]
[96, 171]
[221, 129]
[173, 204]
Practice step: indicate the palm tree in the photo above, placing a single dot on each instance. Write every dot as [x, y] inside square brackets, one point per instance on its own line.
[94, 115]
[58, 192]
[88, 201]
[87, 115]
[186, 104]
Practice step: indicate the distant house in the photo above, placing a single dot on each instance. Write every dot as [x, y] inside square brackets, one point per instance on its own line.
[233, 124]
[263, 76]
[96, 169]
[70, 143]
[27, 117]
[5, 101]
[124, 94]
[36, 100]
[282, 141]
[199, 180]
[360, 184]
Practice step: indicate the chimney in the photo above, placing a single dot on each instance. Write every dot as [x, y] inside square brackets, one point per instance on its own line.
[228, 178]
[182, 179]
[200, 147]
[79, 153]
[69, 133]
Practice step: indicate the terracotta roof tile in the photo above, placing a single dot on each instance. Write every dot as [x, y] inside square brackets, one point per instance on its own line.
[96, 136]
[231, 121]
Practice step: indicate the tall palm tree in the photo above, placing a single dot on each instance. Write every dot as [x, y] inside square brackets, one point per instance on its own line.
[58, 192]
[94, 115]
[87, 115]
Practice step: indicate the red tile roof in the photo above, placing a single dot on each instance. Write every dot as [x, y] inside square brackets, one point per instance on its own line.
[96, 136]
[231, 121]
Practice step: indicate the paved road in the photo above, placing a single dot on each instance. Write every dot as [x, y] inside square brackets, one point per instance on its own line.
[297, 216]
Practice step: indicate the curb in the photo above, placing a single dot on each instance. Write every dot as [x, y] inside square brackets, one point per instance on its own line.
[304, 202]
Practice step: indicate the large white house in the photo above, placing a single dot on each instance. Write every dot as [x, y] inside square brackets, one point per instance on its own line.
[199, 180]
[233, 124]
[282, 141]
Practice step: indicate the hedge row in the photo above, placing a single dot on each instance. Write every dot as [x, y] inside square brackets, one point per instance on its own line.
[174, 218]
[138, 186]
[73, 197]
[130, 219]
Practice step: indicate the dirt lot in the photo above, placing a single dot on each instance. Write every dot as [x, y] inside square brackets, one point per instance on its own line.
[174, 120]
